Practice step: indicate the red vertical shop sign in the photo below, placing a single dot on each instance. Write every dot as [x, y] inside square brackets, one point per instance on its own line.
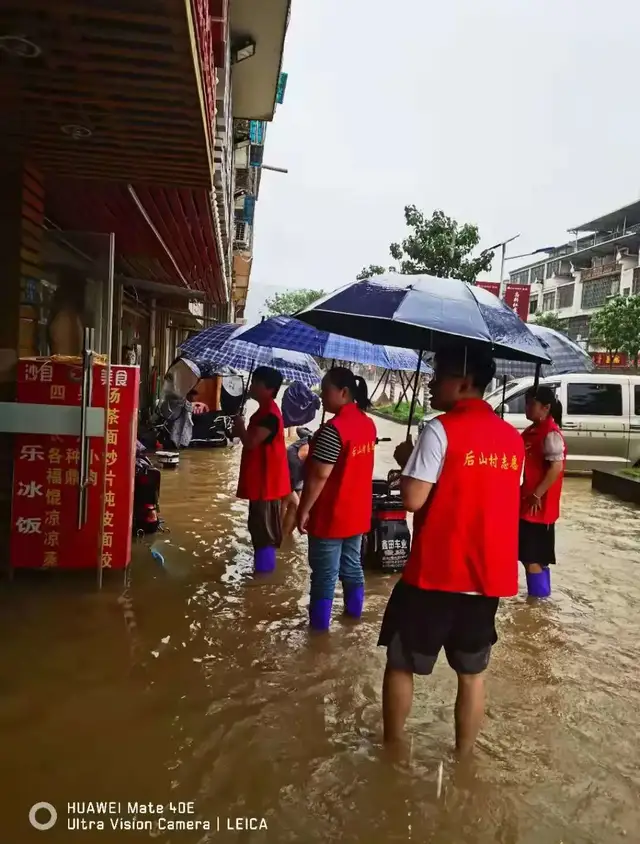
[517, 297]
[491, 286]
[46, 473]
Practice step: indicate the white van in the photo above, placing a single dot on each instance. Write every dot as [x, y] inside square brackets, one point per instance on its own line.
[600, 417]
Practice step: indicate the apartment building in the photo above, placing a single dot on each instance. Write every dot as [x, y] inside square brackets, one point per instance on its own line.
[575, 279]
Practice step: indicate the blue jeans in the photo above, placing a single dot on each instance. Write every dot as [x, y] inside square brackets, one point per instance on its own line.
[333, 558]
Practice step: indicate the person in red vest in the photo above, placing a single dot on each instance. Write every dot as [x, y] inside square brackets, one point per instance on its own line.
[264, 470]
[545, 456]
[462, 480]
[336, 502]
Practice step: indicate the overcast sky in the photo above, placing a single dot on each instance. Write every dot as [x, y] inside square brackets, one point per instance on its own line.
[516, 115]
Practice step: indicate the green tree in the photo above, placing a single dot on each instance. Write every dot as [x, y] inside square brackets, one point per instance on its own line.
[372, 269]
[616, 326]
[439, 246]
[550, 320]
[291, 301]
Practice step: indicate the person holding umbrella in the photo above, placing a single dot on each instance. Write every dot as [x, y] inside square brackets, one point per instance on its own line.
[545, 456]
[462, 480]
[336, 502]
[264, 469]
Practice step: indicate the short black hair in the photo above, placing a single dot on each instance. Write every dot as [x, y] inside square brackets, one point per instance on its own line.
[268, 377]
[473, 363]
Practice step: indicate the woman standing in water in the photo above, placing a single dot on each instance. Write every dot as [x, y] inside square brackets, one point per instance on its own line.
[336, 502]
[545, 455]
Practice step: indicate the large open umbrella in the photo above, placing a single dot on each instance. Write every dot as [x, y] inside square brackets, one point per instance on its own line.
[566, 356]
[285, 332]
[222, 346]
[426, 313]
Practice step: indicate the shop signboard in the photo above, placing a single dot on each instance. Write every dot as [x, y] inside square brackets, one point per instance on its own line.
[610, 359]
[257, 131]
[491, 286]
[47, 473]
[282, 86]
[517, 297]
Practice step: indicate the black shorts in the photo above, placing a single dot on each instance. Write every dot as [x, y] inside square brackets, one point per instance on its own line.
[537, 543]
[418, 623]
[265, 524]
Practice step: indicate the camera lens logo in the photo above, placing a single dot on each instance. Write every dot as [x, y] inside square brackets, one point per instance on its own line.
[45, 809]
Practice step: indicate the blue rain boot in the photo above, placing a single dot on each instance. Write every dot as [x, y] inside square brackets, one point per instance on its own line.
[264, 560]
[320, 613]
[539, 583]
[353, 599]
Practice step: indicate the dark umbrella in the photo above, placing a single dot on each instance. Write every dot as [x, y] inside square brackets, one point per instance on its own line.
[427, 313]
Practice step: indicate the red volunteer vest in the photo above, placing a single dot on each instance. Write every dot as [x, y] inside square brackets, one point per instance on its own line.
[264, 470]
[465, 539]
[345, 504]
[535, 468]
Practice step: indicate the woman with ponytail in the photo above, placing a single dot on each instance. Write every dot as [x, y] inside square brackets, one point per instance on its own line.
[336, 502]
[545, 455]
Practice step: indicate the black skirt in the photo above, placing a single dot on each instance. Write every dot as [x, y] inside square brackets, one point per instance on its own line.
[537, 543]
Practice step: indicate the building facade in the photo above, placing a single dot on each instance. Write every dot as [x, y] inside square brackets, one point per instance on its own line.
[577, 278]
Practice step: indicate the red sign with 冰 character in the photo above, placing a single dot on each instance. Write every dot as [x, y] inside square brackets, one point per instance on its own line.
[46, 473]
[491, 286]
[517, 297]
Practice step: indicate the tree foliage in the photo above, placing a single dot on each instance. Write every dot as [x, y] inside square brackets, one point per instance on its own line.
[371, 270]
[290, 301]
[616, 326]
[550, 320]
[437, 245]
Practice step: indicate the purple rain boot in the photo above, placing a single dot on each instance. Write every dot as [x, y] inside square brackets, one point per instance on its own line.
[264, 560]
[320, 613]
[539, 583]
[353, 599]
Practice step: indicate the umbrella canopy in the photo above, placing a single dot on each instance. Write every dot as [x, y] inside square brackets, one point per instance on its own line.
[285, 332]
[566, 356]
[427, 313]
[221, 346]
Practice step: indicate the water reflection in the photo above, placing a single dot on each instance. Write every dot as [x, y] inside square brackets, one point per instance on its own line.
[228, 701]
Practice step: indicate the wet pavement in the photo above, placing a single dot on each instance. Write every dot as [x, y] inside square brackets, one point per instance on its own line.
[206, 688]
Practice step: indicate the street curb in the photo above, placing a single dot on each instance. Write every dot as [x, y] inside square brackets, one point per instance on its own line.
[390, 418]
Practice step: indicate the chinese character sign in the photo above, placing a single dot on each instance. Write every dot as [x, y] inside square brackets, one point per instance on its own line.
[491, 286]
[517, 297]
[47, 473]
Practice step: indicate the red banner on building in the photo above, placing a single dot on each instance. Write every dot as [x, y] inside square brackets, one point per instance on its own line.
[491, 286]
[618, 359]
[517, 297]
[46, 473]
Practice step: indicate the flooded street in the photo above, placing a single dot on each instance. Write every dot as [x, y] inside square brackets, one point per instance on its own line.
[207, 687]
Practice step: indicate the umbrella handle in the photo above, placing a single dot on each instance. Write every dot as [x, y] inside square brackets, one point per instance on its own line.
[504, 395]
[415, 394]
[246, 387]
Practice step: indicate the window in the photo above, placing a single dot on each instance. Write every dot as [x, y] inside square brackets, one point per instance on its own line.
[520, 277]
[595, 292]
[565, 296]
[636, 409]
[594, 399]
[537, 273]
[549, 301]
[533, 304]
[553, 268]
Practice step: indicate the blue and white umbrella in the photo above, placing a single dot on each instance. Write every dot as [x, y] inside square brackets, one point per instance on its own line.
[565, 355]
[285, 332]
[426, 313]
[222, 346]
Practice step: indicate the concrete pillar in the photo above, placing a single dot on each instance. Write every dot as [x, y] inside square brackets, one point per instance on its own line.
[22, 215]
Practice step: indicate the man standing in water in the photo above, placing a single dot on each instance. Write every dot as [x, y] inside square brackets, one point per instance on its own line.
[264, 469]
[462, 481]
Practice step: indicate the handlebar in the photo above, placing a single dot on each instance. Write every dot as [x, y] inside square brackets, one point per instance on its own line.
[383, 440]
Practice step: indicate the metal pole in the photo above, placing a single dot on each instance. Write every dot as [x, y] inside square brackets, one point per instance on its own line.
[275, 169]
[502, 259]
[415, 394]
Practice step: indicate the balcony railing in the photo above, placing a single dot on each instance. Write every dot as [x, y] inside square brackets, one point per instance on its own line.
[599, 272]
[635, 289]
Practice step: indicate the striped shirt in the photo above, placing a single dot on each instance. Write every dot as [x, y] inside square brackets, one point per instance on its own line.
[327, 445]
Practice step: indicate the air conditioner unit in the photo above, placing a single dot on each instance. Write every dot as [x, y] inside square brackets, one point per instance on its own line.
[242, 236]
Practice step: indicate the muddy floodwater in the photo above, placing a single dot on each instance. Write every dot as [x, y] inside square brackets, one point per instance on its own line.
[203, 692]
